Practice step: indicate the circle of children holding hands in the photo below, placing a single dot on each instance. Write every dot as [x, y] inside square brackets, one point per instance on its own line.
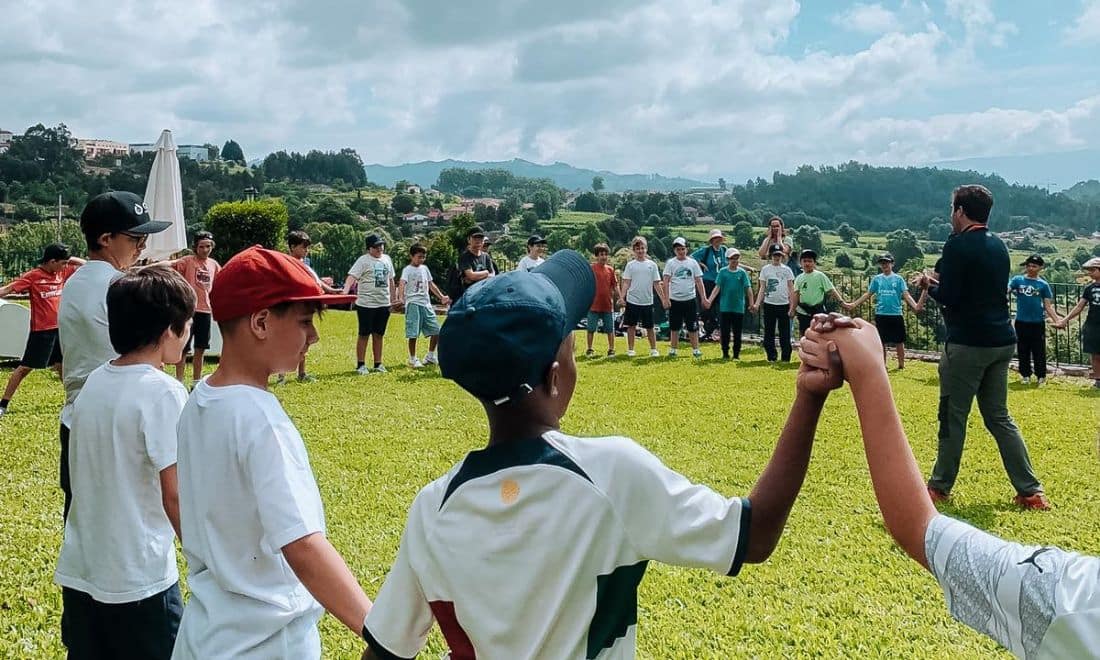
[225, 469]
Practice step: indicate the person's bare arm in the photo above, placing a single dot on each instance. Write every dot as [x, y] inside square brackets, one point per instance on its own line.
[5, 290]
[170, 497]
[1073, 313]
[713, 294]
[775, 491]
[1051, 313]
[700, 290]
[624, 286]
[392, 288]
[348, 281]
[858, 301]
[472, 275]
[763, 251]
[443, 298]
[795, 298]
[400, 298]
[368, 654]
[76, 261]
[899, 487]
[323, 572]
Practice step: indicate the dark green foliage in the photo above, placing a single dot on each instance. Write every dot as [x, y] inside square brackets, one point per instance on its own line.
[403, 203]
[232, 151]
[239, 225]
[847, 233]
[808, 237]
[589, 202]
[844, 260]
[332, 210]
[529, 222]
[744, 235]
[903, 244]
[326, 167]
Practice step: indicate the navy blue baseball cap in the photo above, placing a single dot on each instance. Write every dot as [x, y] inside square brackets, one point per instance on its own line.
[504, 332]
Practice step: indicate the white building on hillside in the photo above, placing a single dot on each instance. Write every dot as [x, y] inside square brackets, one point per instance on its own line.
[95, 148]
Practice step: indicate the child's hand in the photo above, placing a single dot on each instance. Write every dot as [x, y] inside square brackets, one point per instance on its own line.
[821, 370]
[856, 340]
[847, 306]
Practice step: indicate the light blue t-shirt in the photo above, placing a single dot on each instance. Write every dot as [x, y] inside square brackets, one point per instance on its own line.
[1029, 297]
[889, 291]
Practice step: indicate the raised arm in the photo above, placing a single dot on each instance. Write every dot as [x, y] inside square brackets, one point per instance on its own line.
[763, 251]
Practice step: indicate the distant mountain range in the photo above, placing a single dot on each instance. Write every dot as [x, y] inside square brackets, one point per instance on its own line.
[1053, 171]
[1085, 191]
[566, 176]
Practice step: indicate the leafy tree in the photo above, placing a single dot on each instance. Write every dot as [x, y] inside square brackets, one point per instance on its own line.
[21, 245]
[335, 247]
[529, 222]
[544, 208]
[559, 239]
[744, 235]
[239, 225]
[332, 210]
[721, 183]
[597, 184]
[588, 237]
[808, 237]
[403, 203]
[232, 151]
[847, 233]
[1096, 250]
[401, 186]
[938, 230]
[588, 201]
[1081, 255]
[26, 211]
[903, 244]
[844, 260]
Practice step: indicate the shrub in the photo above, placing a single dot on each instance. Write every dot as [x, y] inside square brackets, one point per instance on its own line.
[240, 225]
[844, 260]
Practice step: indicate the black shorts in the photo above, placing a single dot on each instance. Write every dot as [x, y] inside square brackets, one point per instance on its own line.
[683, 314]
[636, 315]
[372, 320]
[43, 350]
[200, 332]
[1090, 339]
[891, 329]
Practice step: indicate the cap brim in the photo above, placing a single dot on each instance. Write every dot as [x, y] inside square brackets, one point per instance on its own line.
[326, 298]
[572, 275]
[151, 227]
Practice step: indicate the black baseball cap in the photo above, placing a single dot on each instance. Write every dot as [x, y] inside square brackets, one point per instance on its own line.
[504, 332]
[374, 240]
[118, 213]
[55, 251]
[807, 254]
[886, 256]
[776, 248]
[1035, 259]
[536, 240]
[475, 231]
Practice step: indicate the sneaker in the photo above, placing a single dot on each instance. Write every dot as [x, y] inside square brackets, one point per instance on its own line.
[2, 411]
[938, 495]
[1033, 502]
[306, 378]
[281, 380]
[697, 354]
[415, 363]
[631, 354]
[1026, 380]
[1039, 382]
[430, 358]
[381, 369]
[672, 352]
[590, 353]
[363, 370]
[611, 353]
[653, 352]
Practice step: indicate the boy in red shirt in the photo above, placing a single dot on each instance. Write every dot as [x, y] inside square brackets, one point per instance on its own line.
[603, 304]
[199, 270]
[43, 284]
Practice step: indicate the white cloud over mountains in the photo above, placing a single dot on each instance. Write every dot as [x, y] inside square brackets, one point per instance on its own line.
[703, 87]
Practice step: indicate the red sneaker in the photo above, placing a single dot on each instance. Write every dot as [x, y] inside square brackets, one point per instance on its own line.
[1034, 502]
[937, 495]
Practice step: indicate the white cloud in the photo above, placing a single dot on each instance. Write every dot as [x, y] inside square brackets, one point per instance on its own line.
[980, 23]
[709, 87]
[868, 19]
[1086, 29]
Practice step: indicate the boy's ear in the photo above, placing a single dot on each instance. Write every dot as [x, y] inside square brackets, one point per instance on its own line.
[551, 379]
[257, 323]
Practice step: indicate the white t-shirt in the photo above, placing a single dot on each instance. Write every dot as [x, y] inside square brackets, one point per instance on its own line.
[682, 274]
[1038, 602]
[246, 491]
[82, 328]
[416, 279]
[566, 523]
[642, 275]
[118, 545]
[527, 263]
[374, 276]
[774, 280]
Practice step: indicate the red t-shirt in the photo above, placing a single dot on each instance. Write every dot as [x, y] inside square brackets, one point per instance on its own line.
[605, 284]
[200, 275]
[45, 294]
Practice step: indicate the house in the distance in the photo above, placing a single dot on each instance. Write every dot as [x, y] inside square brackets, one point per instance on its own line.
[93, 149]
[5, 140]
[416, 219]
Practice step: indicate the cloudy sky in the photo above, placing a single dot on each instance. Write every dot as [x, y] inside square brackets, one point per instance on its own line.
[705, 88]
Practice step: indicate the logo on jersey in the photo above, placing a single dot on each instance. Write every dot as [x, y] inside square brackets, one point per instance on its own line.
[1033, 557]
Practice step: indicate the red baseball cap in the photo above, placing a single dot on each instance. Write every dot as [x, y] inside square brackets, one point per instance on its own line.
[258, 278]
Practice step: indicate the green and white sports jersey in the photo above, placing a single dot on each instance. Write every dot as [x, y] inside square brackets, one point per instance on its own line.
[535, 549]
[1038, 602]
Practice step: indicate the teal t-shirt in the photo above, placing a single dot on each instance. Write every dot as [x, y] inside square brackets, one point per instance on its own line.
[812, 287]
[732, 283]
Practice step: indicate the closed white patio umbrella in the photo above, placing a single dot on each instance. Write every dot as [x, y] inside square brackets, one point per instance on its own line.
[164, 201]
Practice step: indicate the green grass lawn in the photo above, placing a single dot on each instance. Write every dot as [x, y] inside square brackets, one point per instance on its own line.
[836, 587]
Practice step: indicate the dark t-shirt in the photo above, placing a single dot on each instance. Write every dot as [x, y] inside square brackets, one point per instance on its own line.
[973, 272]
[468, 261]
[1091, 295]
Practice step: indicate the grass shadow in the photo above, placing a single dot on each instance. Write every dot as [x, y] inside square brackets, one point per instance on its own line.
[979, 514]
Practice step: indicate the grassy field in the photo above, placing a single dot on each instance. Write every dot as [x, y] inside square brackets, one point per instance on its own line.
[835, 588]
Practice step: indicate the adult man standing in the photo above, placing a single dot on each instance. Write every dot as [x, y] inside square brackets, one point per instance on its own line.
[474, 264]
[115, 226]
[980, 343]
[711, 258]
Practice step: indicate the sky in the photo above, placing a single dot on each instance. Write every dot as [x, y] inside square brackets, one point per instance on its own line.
[702, 88]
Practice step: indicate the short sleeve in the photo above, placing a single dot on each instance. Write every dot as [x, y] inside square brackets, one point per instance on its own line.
[21, 284]
[1001, 589]
[669, 519]
[400, 620]
[873, 286]
[655, 272]
[180, 266]
[1045, 289]
[158, 426]
[696, 269]
[277, 468]
[358, 268]
[668, 268]
[826, 283]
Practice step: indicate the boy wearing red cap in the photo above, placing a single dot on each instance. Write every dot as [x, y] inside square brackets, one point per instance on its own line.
[260, 569]
[43, 285]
